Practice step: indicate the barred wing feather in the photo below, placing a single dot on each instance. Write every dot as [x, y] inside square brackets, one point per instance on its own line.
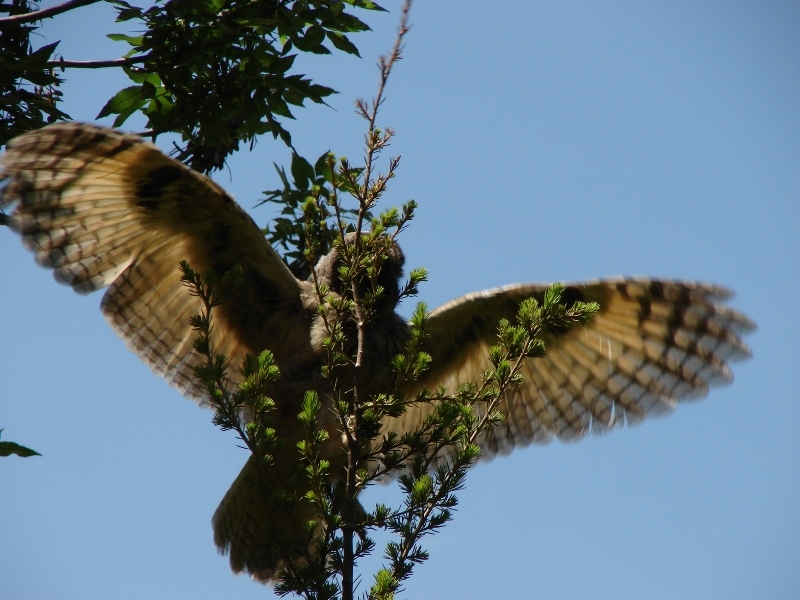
[104, 208]
[653, 344]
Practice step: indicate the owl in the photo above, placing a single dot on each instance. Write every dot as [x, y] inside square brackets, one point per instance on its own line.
[105, 209]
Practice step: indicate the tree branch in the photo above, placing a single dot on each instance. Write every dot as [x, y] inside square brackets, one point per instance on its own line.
[376, 142]
[96, 64]
[45, 12]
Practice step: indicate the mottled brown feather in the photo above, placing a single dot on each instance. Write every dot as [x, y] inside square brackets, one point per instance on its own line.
[104, 208]
[653, 344]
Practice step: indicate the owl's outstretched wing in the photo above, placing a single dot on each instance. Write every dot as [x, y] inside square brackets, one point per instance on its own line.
[104, 208]
[653, 344]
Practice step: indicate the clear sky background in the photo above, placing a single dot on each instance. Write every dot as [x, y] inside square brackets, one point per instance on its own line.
[543, 141]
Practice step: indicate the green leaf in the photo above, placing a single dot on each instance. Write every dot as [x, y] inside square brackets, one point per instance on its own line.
[133, 40]
[366, 4]
[322, 167]
[310, 41]
[147, 89]
[128, 99]
[340, 42]
[9, 448]
[126, 12]
[302, 172]
[44, 52]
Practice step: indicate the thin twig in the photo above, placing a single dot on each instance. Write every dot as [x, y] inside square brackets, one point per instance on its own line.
[45, 12]
[95, 64]
[352, 425]
[371, 115]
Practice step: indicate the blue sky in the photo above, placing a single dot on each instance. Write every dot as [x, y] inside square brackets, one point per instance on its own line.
[543, 141]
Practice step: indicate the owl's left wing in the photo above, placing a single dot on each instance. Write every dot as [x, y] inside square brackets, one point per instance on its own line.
[105, 208]
[653, 344]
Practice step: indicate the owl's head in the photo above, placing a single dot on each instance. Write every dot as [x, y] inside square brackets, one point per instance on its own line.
[387, 258]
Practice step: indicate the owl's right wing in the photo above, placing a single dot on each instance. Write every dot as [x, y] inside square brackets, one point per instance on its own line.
[652, 344]
[104, 208]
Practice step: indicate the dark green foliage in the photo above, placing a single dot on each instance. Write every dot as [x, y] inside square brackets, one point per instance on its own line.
[304, 214]
[215, 72]
[219, 72]
[28, 83]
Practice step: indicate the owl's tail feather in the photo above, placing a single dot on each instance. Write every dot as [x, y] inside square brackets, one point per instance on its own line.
[264, 524]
